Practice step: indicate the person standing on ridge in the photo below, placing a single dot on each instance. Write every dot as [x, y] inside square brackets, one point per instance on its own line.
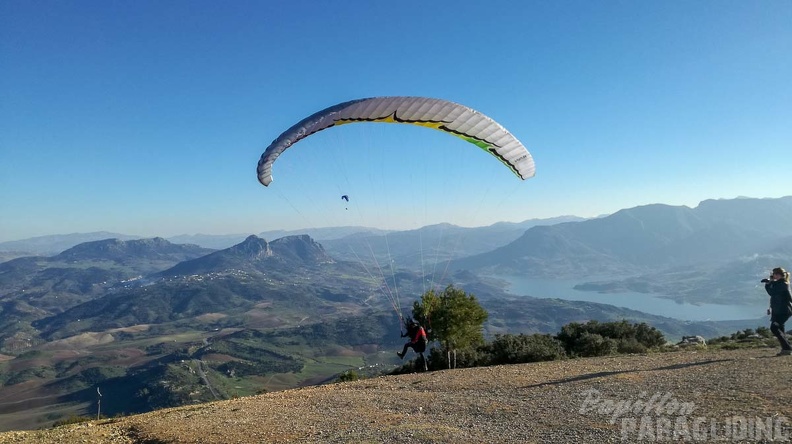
[777, 286]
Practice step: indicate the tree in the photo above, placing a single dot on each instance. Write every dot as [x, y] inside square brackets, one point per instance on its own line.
[454, 318]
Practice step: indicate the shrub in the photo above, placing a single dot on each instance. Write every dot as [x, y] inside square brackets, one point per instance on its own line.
[460, 358]
[515, 349]
[630, 345]
[349, 375]
[596, 339]
[764, 332]
[592, 344]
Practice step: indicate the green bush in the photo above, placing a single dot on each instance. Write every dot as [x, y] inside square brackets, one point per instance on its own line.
[761, 337]
[764, 332]
[515, 349]
[438, 359]
[349, 375]
[593, 344]
[598, 339]
[630, 345]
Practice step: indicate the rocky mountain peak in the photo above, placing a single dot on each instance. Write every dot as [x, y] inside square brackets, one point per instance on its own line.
[252, 248]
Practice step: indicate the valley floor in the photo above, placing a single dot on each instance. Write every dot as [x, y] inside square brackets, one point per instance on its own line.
[741, 395]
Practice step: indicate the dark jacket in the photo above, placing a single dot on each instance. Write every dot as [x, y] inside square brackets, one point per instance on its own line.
[780, 298]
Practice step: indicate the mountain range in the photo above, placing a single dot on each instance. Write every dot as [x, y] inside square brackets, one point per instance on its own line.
[254, 253]
[85, 270]
[713, 253]
[481, 238]
[703, 254]
[114, 284]
[646, 238]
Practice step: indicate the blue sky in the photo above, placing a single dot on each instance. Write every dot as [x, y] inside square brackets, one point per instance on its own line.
[148, 118]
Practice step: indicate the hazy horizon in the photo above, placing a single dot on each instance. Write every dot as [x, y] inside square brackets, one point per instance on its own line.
[178, 234]
[281, 229]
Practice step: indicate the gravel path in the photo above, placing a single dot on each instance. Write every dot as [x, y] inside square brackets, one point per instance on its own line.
[699, 395]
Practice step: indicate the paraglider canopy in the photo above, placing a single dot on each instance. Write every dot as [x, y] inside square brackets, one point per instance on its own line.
[449, 117]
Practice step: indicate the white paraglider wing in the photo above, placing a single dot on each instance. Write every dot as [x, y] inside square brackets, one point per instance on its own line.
[441, 115]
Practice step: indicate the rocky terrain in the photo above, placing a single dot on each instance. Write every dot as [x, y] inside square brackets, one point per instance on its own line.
[692, 395]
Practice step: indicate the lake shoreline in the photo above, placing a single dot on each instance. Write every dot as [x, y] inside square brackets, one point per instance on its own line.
[655, 304]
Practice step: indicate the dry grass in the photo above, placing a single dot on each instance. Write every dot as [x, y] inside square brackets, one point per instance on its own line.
[79, 342]
[131, 329]
[210, 317]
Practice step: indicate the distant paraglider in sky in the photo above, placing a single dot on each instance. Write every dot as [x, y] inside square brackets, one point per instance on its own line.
[449, 117]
